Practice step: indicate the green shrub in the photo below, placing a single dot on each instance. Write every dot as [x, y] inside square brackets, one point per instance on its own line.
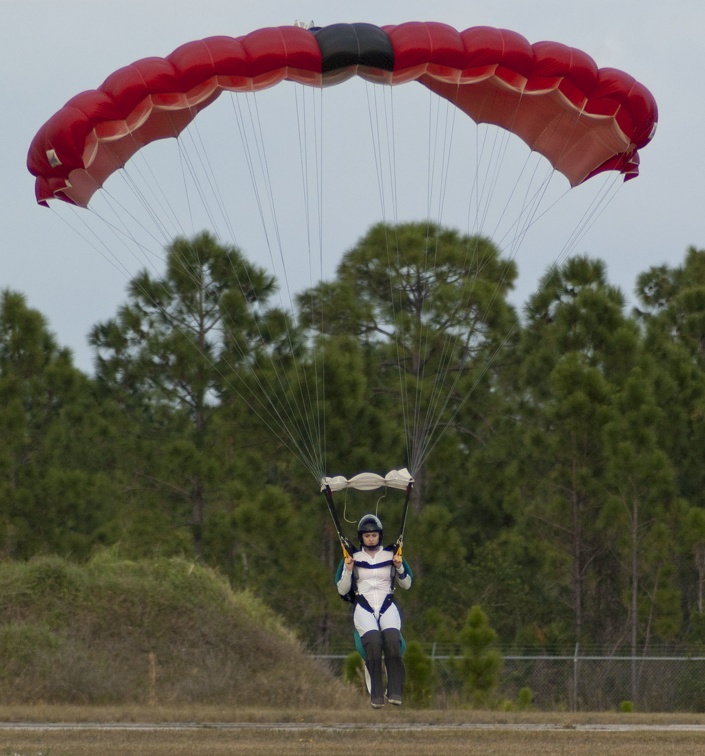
[481, 663]
[525, 699]
[420, 676]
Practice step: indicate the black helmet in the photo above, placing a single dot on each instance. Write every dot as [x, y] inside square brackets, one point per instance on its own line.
[370, 524]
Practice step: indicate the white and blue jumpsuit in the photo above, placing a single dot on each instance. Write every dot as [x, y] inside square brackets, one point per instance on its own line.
[376, 617]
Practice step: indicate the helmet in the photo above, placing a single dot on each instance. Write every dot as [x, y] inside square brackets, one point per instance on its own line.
[370, 524]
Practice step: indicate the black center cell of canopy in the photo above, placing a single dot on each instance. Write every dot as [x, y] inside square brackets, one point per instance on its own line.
[345, 45]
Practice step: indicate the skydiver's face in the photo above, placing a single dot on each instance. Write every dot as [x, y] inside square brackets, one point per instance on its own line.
[370, 540]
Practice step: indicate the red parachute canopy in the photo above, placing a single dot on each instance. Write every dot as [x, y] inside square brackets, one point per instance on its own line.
[583, 119]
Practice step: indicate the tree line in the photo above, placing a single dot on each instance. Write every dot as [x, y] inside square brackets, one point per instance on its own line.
[560, 484]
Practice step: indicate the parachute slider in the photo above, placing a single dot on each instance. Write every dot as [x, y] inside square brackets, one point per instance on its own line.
[367, 481]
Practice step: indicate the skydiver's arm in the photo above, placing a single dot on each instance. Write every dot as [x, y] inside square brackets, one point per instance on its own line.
[404, 576]
[344, 576]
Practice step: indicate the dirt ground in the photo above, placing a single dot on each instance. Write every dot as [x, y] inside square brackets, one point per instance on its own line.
[53, 731]
[410, 741]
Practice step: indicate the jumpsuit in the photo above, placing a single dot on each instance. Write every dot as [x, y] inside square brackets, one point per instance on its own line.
[376, 617]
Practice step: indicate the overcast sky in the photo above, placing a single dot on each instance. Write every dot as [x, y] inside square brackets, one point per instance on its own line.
[52, 50]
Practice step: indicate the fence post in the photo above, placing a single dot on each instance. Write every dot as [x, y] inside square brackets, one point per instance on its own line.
[152, 696]
[575, 677]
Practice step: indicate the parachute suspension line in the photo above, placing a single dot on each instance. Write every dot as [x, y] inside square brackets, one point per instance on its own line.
[312, 398]
[185, 165]
[440, 138]
[418, 369]
[381, 131]
[439, 134]
[438, 403]
[420, 423]
[158, 197]
[417, 420]
[316, 398]
[517, 229]
[188, 170]
[320, 194]
[89, 235]
[301, 420]
[255, 123]
[144, 185]
[588, 215]
[270, 410]
[383, 140]
[441, 403]
[241, 353]
[395, 263]
[212, 184]
[499, 149]
[611, 184]
[267, 414]
[517, 237]
[124, 234]
[318, 427]
[532, 209]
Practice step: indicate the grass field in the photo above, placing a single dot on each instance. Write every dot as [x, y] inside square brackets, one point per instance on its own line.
[50, 731]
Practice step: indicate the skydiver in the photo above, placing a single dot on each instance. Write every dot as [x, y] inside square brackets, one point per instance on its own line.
[371, 574]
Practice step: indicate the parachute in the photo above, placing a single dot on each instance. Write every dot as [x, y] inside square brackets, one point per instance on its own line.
[583, 120]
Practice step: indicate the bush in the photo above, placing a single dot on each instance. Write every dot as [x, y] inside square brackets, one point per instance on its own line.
[481, 663]
[525, 699]
[420, 677]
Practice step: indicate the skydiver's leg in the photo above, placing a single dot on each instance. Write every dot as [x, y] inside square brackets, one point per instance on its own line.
[390, 625]
[372, 643]
[396, 672]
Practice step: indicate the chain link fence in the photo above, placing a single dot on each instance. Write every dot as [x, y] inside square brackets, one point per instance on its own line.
[599, 683]
[578, 681]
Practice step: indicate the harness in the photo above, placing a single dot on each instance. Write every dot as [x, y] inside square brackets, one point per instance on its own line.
[353, 597]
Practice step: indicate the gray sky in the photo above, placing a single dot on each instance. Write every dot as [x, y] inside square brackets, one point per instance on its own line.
[52, 50]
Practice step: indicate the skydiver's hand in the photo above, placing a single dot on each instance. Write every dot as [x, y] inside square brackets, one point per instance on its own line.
[349, 562]
[397, 561]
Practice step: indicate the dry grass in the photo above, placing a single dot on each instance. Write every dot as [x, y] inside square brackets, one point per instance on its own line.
[362, 715]
[351, 743]
[217, 730]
